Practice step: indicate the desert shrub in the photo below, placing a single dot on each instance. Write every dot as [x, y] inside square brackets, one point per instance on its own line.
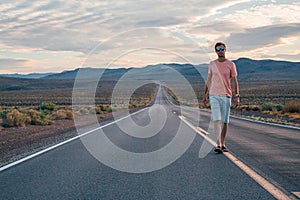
[114, 109]
[278, 107]
[105, 108]
[133, 106]
[267, 107]
[249, 107]
[35, 117]
[15, 118]
[91, 110]
[271, 107]
[60, 114]
[98, 110]
[2, 114]
[49, 106]
[69, 114]
[40, 117]
[64, 114]
[292, 107]
[255, 107]
[84, 111]
[243, 107]
[46, 118]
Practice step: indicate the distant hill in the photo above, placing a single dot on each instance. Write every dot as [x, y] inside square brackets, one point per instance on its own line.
[13, 84]
[63, 75]
[89, 73]
[160, 72]
[258, 70]
[248, 70]
[166, 72]
[30, 76]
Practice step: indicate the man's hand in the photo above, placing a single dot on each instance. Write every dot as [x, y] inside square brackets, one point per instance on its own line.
[237, 102]
[205, 101]
[205, 96]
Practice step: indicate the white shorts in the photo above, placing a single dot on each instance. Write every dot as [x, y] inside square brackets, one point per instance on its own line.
[220, 108]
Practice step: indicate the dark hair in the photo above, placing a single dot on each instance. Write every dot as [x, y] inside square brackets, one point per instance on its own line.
[219, 44]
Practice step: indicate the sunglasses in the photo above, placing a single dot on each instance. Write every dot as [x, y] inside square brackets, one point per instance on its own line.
[220, 49]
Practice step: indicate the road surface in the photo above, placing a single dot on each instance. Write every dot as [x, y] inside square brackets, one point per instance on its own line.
[71, 172]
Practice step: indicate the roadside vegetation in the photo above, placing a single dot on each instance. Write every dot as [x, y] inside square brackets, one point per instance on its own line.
[271, 101]
[24, 116]
[288, 113]
[21, 117]
[22, 109]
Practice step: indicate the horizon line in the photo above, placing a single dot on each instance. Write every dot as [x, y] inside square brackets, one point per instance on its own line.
[79, 67]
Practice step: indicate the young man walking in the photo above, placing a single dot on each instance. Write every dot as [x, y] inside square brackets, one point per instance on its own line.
[221, 72]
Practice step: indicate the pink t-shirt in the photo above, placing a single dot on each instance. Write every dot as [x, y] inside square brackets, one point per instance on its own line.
[221, 74]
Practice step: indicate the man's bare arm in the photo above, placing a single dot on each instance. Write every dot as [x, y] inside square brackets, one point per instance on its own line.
[237, 90]
[207, 85]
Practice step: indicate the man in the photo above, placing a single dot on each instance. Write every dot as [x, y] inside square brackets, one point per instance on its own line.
[220, 74]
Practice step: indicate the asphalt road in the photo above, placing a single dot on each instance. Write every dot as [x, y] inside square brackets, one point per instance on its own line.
[72, 172]
[271, 150]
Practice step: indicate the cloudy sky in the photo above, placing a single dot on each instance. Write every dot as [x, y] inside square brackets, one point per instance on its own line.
[57, 35]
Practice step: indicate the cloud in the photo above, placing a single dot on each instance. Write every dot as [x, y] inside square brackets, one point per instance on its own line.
[137, 44]
[262, 36]
[216, 27]
[159, 22]
[6, 63]
[49, 5]
[256, 15]
[284, 56]
[76, 27]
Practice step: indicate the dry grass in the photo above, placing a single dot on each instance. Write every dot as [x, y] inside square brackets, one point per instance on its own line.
[15, 118]
[69, 114]
[292, 107]
[245, 108]
[64, 114]
[294, 116]
[60, 114]
[56, 104]
[284, 114]
[43, 118]
[30, 116]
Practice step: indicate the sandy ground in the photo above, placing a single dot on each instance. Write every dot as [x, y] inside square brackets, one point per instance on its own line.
[17, 142]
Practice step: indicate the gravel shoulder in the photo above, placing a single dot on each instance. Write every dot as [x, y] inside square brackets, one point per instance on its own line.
[19, 142]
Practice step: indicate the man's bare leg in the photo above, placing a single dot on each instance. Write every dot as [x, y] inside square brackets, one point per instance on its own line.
[217, 131]
[223, 134]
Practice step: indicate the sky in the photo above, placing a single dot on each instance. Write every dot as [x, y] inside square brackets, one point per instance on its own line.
[57, 35]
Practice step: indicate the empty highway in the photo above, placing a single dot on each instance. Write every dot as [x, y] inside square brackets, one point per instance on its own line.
[160, 165]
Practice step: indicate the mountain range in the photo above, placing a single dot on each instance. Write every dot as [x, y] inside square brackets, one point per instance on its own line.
[30, 76]
[248, 70]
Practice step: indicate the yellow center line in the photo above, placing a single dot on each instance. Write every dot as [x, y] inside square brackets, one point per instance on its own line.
[268, 186]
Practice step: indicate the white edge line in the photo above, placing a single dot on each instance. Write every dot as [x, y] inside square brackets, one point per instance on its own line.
[65, 142]
[272, 189]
